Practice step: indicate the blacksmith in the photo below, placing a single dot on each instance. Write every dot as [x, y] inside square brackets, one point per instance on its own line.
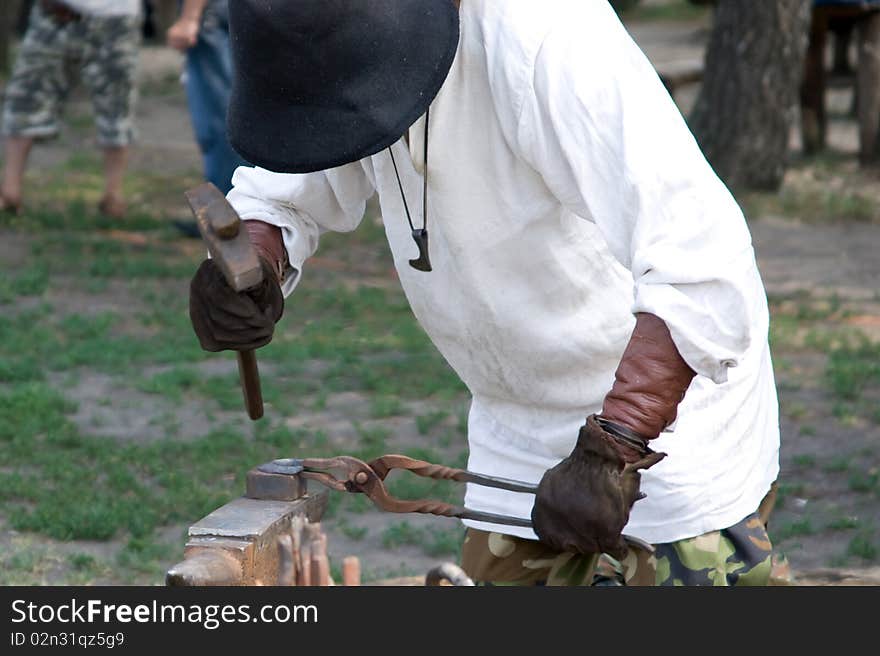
[561, 239]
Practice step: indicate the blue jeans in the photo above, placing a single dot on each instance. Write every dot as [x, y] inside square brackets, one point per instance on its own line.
[208, 83]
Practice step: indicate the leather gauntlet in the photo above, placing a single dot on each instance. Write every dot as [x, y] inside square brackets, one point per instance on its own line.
[583, 503]
[269, 245]
[650, 381]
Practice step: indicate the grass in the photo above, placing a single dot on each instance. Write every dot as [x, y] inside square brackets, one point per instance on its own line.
[433, 541]
[173, 383]
[788, 489]
[426, 423]
[71, 486]
[852, 376]
[843, 524]
[796, 528]
[370, 575]
[814, 203]
[803, 324]
[822, 205]
[356, 533]
[401, 534]
[33, 280]
[794, 410]
[386, 406]
[24, 561]
[837, 464]
[852, 369]
[864, 481]
[804, 460]
[863, 546]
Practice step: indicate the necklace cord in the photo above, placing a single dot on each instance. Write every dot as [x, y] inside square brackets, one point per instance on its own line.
[423, 262]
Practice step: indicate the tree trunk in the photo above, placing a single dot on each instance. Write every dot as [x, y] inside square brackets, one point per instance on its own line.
[748, 103]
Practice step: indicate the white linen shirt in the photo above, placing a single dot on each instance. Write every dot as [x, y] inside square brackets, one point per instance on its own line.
[566, 194]
[106, 7]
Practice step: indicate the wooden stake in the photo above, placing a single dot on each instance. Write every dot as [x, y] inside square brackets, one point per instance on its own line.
[351, 571]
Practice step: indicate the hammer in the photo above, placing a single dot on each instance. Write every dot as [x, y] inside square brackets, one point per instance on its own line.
[232, 251]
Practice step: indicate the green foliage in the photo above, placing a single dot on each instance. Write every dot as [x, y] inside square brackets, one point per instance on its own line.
[863, 546]
[172, 383]
[804, 460]
[401, 534]
[852, 368]
[444, 543]
[70, 486]
[433, 541]
[82, 562]
[426, 423]
[864, 481]
[352, 532]
[33, 280]
[843, 523]
[837, 464]
[385, 406]
[819, 203]
[795, 528]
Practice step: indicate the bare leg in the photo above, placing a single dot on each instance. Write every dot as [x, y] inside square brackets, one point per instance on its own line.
[115, 163]
[15, 152]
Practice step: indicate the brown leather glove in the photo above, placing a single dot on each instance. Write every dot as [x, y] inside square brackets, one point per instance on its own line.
[226, 320]
[583, 503]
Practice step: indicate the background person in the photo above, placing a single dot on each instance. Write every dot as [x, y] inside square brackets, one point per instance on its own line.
[100, 39]
[202, 33]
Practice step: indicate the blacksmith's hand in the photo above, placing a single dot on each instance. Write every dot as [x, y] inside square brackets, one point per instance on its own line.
[583, 503]
[224, 319]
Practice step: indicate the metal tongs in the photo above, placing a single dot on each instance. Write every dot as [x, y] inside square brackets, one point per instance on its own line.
[368, 478]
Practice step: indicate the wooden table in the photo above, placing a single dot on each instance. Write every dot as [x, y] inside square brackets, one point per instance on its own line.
[865, 18]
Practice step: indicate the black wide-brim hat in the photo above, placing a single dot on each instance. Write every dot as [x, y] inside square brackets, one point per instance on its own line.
[321, 83]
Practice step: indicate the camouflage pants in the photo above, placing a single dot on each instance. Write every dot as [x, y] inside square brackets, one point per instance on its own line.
[103, 51]
[741, 555]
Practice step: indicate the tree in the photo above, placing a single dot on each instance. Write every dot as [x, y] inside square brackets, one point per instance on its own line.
[747, 105]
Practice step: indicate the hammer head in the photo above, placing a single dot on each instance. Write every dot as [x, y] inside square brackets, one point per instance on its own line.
[227, 242]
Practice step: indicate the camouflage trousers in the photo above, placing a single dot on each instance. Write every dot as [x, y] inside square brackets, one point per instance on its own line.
[741, 555]
[101, 51]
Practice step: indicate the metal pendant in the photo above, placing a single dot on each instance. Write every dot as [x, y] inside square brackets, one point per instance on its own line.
[423, 263]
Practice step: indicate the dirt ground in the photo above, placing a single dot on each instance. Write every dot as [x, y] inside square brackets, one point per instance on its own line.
[820, 269]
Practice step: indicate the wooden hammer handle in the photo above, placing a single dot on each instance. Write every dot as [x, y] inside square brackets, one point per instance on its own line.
[250, 383]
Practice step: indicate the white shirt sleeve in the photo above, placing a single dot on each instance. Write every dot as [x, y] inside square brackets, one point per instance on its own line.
[612, 146]
[304, 206]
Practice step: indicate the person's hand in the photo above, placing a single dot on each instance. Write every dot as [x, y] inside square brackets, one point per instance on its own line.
[184, 34]
[226, 320]
[583, 503]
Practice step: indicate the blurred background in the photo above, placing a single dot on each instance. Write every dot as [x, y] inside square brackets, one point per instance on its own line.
[117, 432]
